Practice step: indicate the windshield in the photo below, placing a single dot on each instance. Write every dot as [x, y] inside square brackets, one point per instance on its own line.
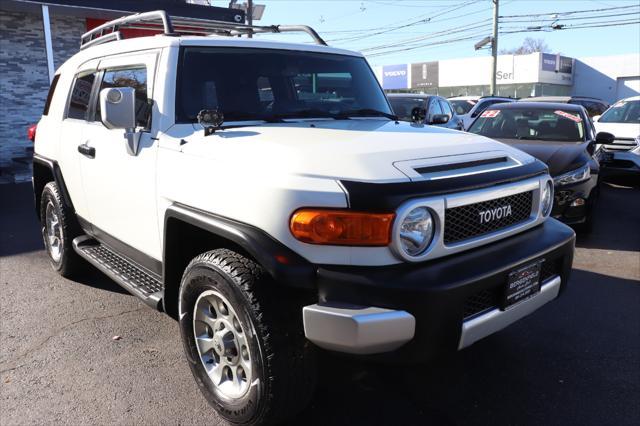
[530, 124]
[462, 107]
[402, 106]
[622, 112]
[263, 84]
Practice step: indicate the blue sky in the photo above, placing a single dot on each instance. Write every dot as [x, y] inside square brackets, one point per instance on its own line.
[342, 23]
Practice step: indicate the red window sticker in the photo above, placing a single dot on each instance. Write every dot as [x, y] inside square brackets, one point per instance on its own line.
[571, 117]
[490, 113]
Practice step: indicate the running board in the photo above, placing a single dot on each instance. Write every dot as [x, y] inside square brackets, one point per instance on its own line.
[127, 274]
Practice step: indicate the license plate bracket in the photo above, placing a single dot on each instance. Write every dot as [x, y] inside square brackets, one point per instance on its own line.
[522, 284]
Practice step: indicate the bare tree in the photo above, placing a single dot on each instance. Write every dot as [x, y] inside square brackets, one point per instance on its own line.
[529, 45]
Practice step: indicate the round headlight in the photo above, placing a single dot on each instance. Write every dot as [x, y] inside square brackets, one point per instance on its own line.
[416, 231]
[546, 198]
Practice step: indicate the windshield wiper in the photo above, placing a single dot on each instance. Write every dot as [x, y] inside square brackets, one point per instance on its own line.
[365, 112]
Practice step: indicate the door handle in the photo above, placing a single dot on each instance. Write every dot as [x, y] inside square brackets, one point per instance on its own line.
[87, 151]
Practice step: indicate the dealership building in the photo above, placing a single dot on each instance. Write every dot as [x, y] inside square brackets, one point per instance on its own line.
[537, 74]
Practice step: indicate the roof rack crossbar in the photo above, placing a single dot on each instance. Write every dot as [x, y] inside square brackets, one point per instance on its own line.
[160, 20]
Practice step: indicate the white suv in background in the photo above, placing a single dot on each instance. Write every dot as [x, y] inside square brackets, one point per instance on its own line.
[622, 120]
[263, 194]
[467, 108]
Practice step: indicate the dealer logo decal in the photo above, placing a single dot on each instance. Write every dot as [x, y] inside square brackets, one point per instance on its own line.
[490, 215]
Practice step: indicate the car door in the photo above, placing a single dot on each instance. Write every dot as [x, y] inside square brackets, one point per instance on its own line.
[120, 187]
[72, 130]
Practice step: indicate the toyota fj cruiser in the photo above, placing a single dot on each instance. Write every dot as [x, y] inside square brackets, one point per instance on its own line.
[264, 195]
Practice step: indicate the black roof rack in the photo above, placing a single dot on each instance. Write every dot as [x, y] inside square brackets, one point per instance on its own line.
[160, 20]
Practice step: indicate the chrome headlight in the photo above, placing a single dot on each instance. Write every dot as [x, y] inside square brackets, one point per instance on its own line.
[546, 198]
[414, 232]
[574, 176]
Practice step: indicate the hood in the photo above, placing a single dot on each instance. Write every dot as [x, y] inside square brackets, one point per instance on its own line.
[357, 149]
[619, 130]
[560, 157]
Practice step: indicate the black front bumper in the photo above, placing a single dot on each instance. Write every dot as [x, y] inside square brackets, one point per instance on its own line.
[438, 293]
[565, 196]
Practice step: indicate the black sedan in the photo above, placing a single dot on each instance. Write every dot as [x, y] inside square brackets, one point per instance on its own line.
[562, 136]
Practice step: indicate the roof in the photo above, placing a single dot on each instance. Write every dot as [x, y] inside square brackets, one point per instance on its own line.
[161, 41]
[409, 95]
[561, 99]
[477, 98]
[538, 106]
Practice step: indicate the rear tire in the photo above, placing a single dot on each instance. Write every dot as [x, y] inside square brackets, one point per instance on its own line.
[58, 231]
[243, 340]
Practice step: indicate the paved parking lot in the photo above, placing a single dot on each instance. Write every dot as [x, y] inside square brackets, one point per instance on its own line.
[577, 361]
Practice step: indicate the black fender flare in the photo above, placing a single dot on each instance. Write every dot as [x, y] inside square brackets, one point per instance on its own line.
[284, 265]
[39, 181]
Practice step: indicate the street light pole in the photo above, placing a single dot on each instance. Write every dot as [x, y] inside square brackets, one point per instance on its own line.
[250, 15]
[494, 48]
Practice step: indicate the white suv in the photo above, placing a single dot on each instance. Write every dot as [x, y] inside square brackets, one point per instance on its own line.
[264, 195]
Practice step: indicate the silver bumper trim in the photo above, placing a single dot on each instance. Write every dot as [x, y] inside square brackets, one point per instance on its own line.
[495, 320]
[357, 329]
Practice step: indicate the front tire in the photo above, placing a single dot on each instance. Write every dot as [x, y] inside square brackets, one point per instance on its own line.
[242, 339]
[58, 231]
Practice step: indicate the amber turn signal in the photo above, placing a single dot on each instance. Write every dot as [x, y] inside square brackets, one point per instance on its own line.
[342, 227]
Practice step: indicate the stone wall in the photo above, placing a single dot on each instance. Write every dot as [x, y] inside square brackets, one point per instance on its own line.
[24, 79]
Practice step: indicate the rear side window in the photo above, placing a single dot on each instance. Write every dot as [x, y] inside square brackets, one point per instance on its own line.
[135, 77]
[52, 89]
[80, 95]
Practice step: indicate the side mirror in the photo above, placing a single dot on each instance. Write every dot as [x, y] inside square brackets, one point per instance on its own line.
[439, 119]
[118, 111]
[595, 118]
[605, 138]
[418, 115]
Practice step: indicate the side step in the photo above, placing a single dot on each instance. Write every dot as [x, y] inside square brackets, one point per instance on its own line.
[127, 274]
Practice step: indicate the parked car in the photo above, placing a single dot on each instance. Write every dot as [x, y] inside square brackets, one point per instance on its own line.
[467, 108]
[622, 120]
[263, 194]
[561, 135]
[437, 110]
[594, 106]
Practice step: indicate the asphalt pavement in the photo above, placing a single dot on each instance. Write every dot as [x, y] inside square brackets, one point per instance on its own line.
[575, 361]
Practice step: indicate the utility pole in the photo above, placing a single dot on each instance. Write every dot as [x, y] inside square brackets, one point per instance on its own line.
[494, 48]
[250, 15]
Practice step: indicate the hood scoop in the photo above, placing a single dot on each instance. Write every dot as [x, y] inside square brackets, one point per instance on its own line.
[457, 165]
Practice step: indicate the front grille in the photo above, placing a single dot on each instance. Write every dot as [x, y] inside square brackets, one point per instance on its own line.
[549, 269]
[482, 301]
[462, 223]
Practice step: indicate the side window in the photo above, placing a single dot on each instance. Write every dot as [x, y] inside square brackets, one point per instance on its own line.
[434, 107]
[135, 77]
[80, 95]
[52, 89]
[446, 108]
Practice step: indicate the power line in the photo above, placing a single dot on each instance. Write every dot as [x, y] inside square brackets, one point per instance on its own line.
[418, 22]
[566, 13]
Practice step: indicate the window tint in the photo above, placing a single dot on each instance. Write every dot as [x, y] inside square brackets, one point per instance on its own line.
[484, 105]
[435, 107]
[80, 95]
[462, 106]
[52, 89]
[263, 84]
[530, 124]
[135, 77]
[402, 106]
[446, 108]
